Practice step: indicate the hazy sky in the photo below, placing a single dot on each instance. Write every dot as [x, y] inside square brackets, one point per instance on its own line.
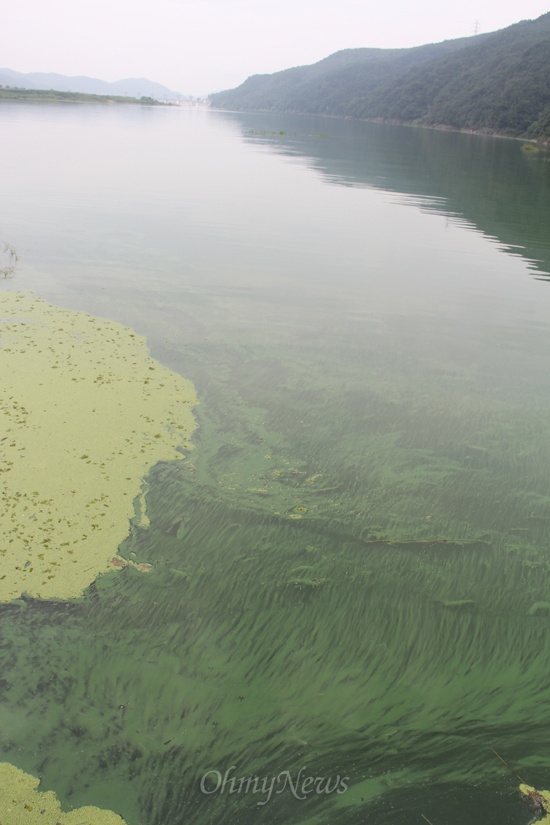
[200, 46]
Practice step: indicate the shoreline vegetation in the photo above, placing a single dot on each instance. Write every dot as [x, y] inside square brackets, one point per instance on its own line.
[85, 412]
[51, 95]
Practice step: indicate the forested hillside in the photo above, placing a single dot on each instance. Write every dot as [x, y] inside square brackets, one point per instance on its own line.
[497, 83]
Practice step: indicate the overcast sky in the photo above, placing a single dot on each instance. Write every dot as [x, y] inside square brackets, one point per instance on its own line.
[201, 46]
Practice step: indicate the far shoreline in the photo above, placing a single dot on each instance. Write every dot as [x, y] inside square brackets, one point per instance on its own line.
[12, 94]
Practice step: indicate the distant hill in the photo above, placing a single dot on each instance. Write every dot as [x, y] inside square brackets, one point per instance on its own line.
[495, 83]
[131, 87]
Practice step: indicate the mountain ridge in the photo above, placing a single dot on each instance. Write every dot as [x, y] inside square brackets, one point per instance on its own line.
[128, 87]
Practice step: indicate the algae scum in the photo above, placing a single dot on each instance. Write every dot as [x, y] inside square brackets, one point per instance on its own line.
[315, 604]
[85, 412]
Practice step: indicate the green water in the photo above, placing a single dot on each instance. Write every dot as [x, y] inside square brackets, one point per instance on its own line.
[351, 574]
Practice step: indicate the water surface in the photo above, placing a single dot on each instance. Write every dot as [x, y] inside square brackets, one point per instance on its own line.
[351, 574]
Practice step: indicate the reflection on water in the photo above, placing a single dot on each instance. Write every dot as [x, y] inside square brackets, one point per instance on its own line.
[483, 181]
[351, 576]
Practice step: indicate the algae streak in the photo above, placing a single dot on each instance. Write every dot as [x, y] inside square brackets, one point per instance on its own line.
[22, 804]
[84, 413]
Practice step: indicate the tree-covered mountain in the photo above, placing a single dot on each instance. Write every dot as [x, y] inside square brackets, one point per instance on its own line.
[498, 82]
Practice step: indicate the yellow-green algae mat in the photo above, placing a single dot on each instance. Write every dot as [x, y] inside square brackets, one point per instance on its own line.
[84, 413]
[22, 804]
[538, 799]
